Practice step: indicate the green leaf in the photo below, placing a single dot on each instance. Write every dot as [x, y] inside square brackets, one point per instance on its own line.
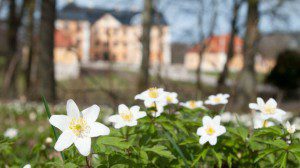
[277, 143]
[274, 130]
[219, 158]
[189, 141]
[160, 150]
[53, 129]
[196, 160]
[243, 132]
[295, 148]
[144, 157]
[264, 153]
[281, 162]
[177, 148]
[240, 131]
[170, 129]
[180, 125]
[70, 165]
[229, 161]
[113, 141]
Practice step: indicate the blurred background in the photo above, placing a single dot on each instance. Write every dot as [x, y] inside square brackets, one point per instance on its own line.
[105, 52]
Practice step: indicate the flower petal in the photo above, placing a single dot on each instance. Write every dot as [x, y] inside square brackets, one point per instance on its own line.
[114, 118]
[72, 109]
[65, 140]
[260, 102]
[135, 109]
[226, 96]
[206, 120]
[272, 102]
[83, 145]
[222, 130]
[212, 140]
[119, 125]
[122, 108]
[203, 140]
[132, 123]
[59, 121]
[217, 120]
[140, 114]
[91, 114]
[98, 129]
[254, 106]
[201, 131]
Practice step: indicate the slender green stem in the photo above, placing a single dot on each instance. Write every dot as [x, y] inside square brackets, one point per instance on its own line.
[53, 129]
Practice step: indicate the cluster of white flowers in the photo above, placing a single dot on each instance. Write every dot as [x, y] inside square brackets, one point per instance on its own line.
[156, 99]
[266, 111]
[79, 127]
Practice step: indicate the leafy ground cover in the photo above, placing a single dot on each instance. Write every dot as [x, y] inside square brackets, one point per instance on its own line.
[189, 134]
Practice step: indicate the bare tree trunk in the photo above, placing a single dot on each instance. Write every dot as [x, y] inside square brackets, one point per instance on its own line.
[160, 47]
[14, 22]
[231, 47]
[30, 30]
[246, 86]
[147, 24]
[46, 80]
[204, 45]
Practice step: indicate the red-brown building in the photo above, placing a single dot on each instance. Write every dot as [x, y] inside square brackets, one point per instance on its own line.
[214, 56]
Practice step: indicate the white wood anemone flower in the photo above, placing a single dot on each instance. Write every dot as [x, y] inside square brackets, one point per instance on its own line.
[151, 95]
[11, 133]
[27, 166]
[259, 122]
[78, 128]
[210, 130]
[217, 99]
[192, 104]
[268, 110]
[157, 108]
[170, 97]
[290, 128]
[127, 116]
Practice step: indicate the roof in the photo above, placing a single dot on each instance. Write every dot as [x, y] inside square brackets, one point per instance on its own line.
[75, 12]
[219, 44]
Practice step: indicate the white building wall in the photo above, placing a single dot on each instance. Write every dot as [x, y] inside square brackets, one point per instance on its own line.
[86, 43]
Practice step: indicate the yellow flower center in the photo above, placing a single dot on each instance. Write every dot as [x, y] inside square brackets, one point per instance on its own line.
[127, 116]
[153, 92]
[269, 110]
[217, 99]
[79, 126]
[169, 99]
[210, 130]
[192, 104]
